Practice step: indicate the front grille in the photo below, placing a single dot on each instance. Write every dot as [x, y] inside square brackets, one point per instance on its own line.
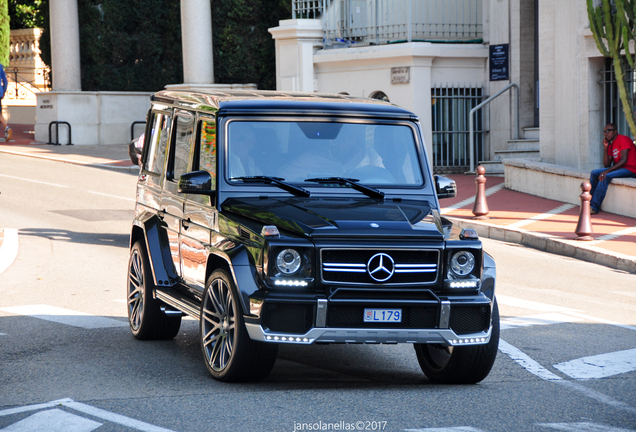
[469, 319]
[346, 316]
[289, 317]
[354, 266]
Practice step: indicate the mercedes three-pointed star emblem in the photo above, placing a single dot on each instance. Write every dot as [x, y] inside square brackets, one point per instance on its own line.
[381, 267]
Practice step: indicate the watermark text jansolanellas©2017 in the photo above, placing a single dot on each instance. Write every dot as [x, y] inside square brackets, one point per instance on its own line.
[374, 425]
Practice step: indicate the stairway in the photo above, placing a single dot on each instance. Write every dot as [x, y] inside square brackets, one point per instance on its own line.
[524, 148]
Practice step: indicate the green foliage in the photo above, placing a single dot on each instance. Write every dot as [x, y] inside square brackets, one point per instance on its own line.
[243, 48]
[5, 33]
[130, 45]
[27, 13]
[135, 45]
[613, 26]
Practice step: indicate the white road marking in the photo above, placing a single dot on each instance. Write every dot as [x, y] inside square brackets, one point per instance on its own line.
[583, 427]
[532, 305]
[54, 420]
[526, 362]
[66, 187]
[471, 200]
[543, 307]
[448, 429]
[600, 366]
[546, 215]
[9, 248]
[539, 319]
[536, 369]
[86, 409]
[65, 316]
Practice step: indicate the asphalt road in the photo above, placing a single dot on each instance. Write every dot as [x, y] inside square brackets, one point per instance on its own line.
[68, 362]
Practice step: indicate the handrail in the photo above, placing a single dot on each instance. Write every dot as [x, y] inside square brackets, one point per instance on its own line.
[487, 101]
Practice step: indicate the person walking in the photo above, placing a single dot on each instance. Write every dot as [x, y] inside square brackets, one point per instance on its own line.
[4, 83]
[619, 160]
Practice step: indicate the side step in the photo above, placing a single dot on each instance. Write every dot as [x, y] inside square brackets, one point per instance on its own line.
[177, 300]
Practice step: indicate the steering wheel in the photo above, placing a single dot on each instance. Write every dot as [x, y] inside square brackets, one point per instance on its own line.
[372, 174]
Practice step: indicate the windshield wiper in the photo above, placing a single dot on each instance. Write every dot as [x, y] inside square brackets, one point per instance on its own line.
[278, 181]
[369, 191]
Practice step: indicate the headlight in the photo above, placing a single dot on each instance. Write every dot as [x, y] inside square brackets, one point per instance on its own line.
[462, 263]
[288, 261]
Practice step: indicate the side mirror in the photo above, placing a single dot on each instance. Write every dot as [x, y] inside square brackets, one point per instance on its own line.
[445, 187]
[196, 182]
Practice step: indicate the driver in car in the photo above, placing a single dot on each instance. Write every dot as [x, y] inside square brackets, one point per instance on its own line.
[342, 155]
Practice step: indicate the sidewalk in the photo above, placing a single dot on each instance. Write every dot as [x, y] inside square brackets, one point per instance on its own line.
[514, 216]
[102, 156]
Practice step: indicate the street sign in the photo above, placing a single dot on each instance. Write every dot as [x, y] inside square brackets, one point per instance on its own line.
[499, 62]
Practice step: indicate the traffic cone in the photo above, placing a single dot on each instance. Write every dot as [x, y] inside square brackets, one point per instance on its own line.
[584, 226]
[480, 209]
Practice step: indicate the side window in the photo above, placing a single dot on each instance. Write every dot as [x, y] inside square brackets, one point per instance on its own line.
[184, 127]
[158, 142]
[207, 150]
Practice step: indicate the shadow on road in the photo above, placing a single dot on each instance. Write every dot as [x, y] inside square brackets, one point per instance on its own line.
[103, 239]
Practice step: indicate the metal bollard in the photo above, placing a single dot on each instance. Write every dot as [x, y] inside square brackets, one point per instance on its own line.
[584, 226]
[480, 209]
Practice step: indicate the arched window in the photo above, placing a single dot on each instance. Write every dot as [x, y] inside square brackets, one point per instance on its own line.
[380, 96]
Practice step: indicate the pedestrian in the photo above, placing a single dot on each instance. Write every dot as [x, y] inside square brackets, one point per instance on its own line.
[619, 160]
[3, 82]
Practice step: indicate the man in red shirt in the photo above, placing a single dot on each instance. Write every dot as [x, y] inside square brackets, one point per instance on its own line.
[619, 160]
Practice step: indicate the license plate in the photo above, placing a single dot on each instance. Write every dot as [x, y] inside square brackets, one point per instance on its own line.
[383, 315]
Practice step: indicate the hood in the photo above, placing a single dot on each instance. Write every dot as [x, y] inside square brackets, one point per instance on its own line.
[342, 217]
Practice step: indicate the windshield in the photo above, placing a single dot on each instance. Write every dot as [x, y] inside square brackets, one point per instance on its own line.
[380, 154]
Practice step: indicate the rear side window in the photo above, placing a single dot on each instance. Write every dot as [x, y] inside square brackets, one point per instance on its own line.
[207, 153]
[158, 142]
[184, 125]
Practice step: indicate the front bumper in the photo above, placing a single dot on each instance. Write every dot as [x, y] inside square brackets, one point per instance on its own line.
[445, 337]
[447, 321]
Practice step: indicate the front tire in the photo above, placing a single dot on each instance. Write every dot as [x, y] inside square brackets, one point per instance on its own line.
[460, 365]
[145, 317]
[230, 355]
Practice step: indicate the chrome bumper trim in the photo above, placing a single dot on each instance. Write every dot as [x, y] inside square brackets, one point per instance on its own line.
[445, 337]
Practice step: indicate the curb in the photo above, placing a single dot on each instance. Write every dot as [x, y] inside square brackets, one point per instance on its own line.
[559, 246]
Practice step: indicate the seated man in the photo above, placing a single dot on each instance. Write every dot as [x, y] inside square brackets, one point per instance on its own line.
[619, 160]
[335, 157]
[242, 138]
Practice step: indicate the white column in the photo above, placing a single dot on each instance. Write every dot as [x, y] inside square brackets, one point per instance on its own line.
[65, 46]
[196, 42]
[296, 41]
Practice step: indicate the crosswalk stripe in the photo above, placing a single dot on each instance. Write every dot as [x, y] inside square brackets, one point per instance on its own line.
[543, 216]
[65, 316]
[600, 366]
[471, 200]
[447, 429]
[53, 420]
[583, 427]
[538, 319]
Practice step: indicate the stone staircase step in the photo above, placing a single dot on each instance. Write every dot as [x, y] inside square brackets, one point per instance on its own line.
[523, 144]
[493, 167]
[517, 154]
[531, 133]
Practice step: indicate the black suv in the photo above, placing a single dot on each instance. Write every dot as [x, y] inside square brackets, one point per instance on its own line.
[289, 218]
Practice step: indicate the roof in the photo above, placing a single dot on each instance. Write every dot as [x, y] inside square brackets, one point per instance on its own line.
[275, 102]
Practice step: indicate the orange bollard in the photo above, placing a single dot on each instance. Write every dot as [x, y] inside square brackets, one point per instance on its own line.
[480, 209]
[584, 227]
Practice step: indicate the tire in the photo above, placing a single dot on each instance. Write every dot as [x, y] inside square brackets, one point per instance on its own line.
[229, 353]
[460, 365]
[146, 319]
